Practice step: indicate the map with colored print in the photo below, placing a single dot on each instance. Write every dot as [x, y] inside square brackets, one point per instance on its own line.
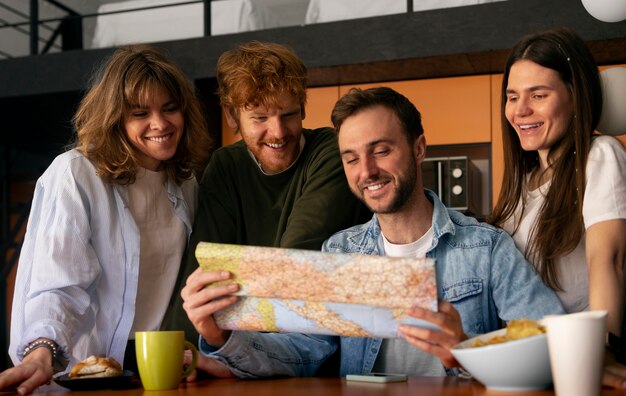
[304, 291]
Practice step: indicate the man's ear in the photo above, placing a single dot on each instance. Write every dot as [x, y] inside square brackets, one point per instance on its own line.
[230, 120]
[419, 148]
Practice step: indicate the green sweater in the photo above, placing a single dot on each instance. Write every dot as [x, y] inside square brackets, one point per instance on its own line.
[298, 208]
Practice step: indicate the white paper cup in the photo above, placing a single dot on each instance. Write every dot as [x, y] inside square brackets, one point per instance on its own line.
[576, 345]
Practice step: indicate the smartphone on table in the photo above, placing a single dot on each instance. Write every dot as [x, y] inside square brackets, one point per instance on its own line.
[377, 377]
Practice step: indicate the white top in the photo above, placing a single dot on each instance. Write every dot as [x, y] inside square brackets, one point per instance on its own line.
[162, 242]
[396, 355]
[414, 249]
[605, 199]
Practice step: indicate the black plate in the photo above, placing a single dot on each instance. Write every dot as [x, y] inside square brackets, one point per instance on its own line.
[128, 379]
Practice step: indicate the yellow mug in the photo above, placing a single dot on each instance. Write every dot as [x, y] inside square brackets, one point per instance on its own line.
[160, 358]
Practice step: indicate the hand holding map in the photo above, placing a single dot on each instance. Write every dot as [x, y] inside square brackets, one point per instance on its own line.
[292, 290]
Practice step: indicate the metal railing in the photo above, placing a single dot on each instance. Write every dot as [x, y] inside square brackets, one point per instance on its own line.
[70, 27]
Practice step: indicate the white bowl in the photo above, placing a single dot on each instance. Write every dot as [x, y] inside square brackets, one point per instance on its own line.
[519, 365]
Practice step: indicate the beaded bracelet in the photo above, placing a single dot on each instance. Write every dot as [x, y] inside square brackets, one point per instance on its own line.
[59, 362]
[50, 345]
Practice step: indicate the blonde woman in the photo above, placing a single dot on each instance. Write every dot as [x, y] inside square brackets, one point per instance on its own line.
[110, 220]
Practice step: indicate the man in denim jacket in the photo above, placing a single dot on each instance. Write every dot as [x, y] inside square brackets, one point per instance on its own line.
[482, 278]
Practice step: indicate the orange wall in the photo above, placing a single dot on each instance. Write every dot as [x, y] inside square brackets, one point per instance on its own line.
[454, 110]
[319, 106]
[497, 154]
[228, 134]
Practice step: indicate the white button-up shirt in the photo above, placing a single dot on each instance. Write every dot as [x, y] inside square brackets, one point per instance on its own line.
[78, 270]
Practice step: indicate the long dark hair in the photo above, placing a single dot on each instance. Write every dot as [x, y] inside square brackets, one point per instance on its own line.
[560, 226]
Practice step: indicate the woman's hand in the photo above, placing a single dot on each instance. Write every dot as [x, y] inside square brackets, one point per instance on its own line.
[435, 342]
[34, 371]
[202, 298]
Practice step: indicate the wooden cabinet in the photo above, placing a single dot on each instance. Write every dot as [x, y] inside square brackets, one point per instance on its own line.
[455, 110]
[320, 103]
[228, 134]
[497, 153]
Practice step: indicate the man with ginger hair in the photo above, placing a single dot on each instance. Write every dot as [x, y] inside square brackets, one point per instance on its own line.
[281, 185]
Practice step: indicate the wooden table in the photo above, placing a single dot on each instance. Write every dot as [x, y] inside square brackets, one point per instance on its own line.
[422, 386]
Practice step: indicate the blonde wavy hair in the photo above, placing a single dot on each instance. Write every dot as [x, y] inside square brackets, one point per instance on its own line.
[131, 76]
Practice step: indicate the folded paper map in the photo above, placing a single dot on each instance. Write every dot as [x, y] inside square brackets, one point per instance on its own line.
[304, 291]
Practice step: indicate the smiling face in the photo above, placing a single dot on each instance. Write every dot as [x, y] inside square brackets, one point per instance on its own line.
[154, 129]
[538, 105]
[381, 167]
[272, 133]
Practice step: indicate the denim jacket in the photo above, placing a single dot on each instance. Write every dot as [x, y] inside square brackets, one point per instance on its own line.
[478, 269]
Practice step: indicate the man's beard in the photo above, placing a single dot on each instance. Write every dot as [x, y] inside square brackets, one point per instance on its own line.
[404, 191]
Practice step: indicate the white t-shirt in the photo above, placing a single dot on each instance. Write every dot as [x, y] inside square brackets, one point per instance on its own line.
[605, 199]
[162, 240]
[396, 355]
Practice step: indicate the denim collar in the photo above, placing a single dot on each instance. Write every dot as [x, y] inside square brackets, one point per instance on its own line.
[442, 224]
[367, 238]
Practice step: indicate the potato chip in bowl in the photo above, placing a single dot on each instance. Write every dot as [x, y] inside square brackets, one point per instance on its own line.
[512, 359]
[515, 330]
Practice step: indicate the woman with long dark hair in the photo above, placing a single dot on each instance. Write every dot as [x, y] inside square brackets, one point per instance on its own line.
[563, 196]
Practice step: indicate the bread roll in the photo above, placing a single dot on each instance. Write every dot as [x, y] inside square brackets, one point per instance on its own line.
[96, 366]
